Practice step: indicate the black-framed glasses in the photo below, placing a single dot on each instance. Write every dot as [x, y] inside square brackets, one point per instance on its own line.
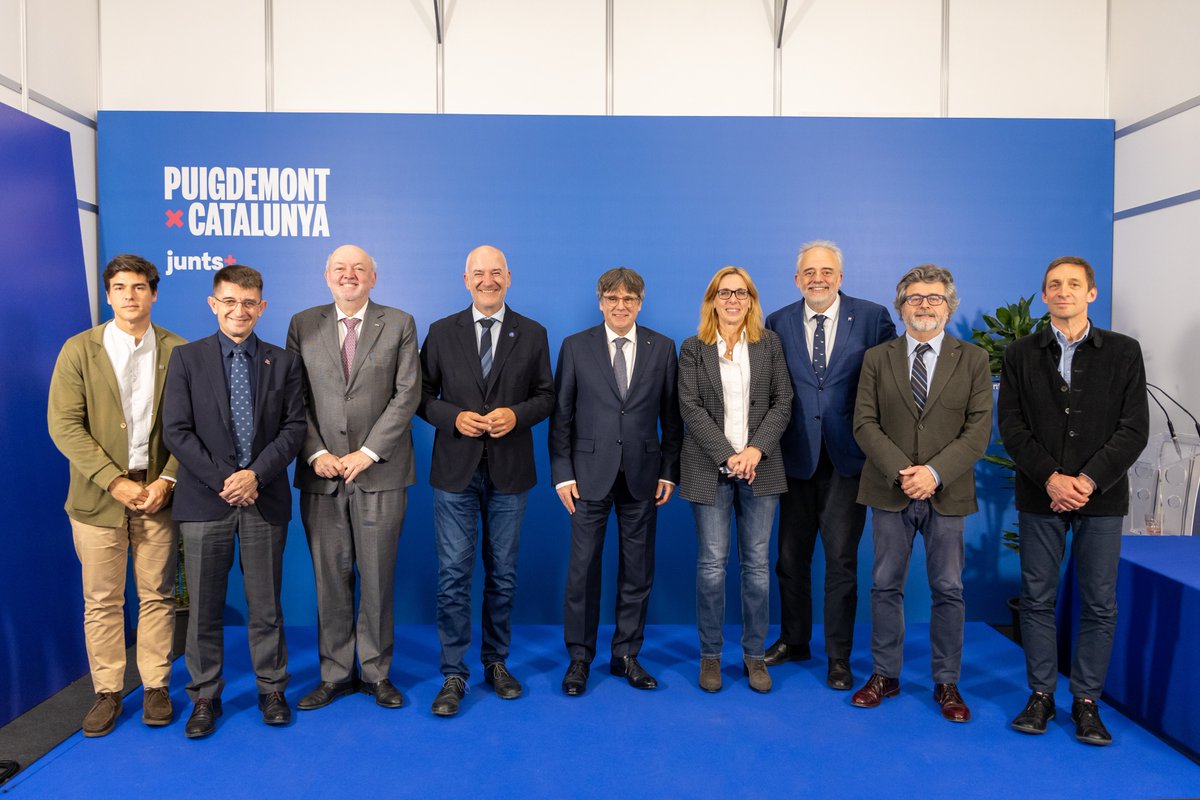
[934, 300]
[740, 294]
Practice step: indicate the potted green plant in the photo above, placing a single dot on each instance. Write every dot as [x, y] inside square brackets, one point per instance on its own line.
[1009, 323]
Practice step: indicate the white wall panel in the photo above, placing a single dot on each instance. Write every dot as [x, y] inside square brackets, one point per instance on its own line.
[62, 41]
[83, 149]
[173, 56]
[1154, 60]
[532, 57]
[88, 229]
[863, 58]
[356, 55]
[1027, 58]
[685, 57]
[9, 97]
[1158, 161]
[1155, 284]
[10, 39]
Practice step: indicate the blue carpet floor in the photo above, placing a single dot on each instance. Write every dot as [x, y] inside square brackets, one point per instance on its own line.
[801, 740]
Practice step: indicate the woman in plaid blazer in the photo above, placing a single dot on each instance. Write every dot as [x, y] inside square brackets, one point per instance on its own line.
[735, 396]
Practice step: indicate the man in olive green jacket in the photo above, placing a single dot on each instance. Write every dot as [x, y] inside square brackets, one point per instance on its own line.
[104, 415]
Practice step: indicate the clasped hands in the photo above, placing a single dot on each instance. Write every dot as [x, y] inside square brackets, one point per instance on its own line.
[917, 482]
[348, 467]
[147, 499]
[743, 465]
[496, 423]
[1068, 493]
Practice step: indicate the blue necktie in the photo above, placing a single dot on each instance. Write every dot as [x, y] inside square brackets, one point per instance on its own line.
[818, 359]
[241, 406]
[485, 346]
[920, 377]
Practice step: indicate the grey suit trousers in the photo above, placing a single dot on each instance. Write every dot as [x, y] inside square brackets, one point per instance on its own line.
[346, 528]
[208, 556]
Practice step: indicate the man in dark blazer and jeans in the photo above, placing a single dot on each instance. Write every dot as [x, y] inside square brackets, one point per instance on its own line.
[824, 337]
[615, 387]
[486, 382]
[234, 418]
[1074, 417]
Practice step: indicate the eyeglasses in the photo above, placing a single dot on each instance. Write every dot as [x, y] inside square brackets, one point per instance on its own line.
[231, 304]
[628, 300]
[740, 294]
[934, 300]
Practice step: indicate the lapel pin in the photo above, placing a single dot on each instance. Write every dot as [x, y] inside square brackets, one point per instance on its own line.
[511, 334]
[267, 361]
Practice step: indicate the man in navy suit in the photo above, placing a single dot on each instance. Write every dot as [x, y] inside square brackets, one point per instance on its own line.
[824, 338]
[486, 381]
[615, 387]
[234, 418]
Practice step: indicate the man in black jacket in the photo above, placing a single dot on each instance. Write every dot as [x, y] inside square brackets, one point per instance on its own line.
[1074, 418]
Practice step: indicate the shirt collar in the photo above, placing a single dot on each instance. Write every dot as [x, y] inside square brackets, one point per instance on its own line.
[359, 315]
[830, 313]
[477, 315]
[1061, 337]
[250, 345]
[612, 335]
[126, 339]
[935, 343]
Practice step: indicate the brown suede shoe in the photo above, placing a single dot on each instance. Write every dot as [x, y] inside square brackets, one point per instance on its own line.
[101, 718]
[710, 674]
[156, 707]
[760, 679]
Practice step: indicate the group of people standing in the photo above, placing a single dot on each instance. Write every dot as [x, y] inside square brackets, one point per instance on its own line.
[818, 410]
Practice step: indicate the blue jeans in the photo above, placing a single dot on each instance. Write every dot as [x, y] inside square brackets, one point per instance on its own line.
[1097, 550]
[755, 516]
[456, 522]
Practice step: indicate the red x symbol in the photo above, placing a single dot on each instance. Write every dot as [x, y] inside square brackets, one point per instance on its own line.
[175, 218]
[230, 260]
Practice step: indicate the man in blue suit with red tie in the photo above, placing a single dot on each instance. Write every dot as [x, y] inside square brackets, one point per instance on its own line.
[233, 416]
[824, 338]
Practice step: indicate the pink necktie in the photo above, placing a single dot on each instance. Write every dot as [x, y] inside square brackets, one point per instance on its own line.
[349, 345]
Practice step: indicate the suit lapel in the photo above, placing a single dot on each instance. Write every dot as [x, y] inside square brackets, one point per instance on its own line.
[759, 368]
[947, 363]
[712, 369]
[844, 333]
[214, 365]
[103, 365]
[508, 340]
[470, 347]
[330, 334]
[372, 327]
[641, 362]
[799, 341]
[160, 370]
[598, 345]
[898, 359]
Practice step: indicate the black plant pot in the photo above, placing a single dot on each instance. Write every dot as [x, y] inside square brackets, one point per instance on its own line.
[1014, 608]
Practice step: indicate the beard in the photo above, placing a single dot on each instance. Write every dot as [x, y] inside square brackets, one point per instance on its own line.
[930, 323]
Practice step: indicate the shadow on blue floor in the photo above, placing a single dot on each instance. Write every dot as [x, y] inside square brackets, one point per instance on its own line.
[801, 740]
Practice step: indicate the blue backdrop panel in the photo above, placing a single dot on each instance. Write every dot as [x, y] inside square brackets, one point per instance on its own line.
[41, 263]
[567, 198]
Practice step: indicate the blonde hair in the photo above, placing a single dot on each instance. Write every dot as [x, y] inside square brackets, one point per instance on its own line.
[710, 328]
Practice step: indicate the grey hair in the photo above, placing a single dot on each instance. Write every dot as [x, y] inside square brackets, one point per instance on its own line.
[927, 273]
[823, 243]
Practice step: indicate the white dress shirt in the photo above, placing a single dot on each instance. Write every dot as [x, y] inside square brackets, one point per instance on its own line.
[735, 390]
[930, 359]
[134, 363]
[831, 321]
[630, 350]
[361, 316]
[477, 315]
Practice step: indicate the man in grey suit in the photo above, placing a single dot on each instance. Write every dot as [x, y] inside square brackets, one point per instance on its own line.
[363, 383]
[923, 417]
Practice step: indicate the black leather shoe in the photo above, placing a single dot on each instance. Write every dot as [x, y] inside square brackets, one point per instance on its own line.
[781, 652]
[575, 681]
[501, 680]
[275, 709]
[1038, 711]
[203, 720]
[447, 700]
[326, 693]
[385, 694]
[629, 668]
[839, 676]
[1088, 727]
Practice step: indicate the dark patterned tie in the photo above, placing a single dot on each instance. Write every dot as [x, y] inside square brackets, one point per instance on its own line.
[818, 359]
[920, 377]
[241, 406]
[485, 346]
[620, 371]
[349, 346]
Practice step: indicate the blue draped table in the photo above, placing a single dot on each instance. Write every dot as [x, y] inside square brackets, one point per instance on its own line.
[1152, 677]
